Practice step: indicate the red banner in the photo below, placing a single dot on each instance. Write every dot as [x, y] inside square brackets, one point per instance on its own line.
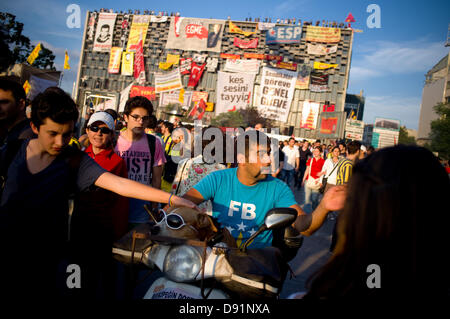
[146, 91]
[270, 57]
[196, 74]
[246, 44]
[196, 30]
[139, 68]
[254, 56]
[327, 107]
[329, 125]
[230, 56]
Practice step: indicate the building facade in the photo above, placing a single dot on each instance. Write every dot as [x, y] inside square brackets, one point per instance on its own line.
[95, 83]
[436, 90]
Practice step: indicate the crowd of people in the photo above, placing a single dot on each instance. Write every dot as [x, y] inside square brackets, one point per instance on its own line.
[390, 200]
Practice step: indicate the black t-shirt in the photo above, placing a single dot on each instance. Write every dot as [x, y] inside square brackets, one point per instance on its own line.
[304, 155]
[38, 203]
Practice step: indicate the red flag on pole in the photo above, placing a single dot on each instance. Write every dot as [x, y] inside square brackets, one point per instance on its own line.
[196, 74]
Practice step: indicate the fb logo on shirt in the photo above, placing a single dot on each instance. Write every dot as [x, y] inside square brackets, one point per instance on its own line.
[248, 210]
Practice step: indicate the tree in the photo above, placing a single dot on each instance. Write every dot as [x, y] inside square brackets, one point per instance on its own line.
[404, 138]
[242, 117]
[16, 47]
[440, 131]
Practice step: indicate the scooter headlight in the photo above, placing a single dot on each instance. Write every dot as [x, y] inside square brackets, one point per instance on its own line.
[182, 263]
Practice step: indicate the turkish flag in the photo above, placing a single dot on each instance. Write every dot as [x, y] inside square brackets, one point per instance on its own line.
[196, 74]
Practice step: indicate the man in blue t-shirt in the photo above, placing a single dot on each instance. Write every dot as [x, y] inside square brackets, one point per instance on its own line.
[241, 196]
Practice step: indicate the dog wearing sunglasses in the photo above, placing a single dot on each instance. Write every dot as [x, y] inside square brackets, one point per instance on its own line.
[187, 223]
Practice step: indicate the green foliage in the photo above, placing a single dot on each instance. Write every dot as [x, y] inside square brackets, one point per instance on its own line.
[243, 117]
[404, 138]
[15, 47]
[440, 131]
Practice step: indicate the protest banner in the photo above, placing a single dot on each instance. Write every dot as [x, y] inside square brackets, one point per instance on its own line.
[104, 33]
[244, 66]
[276, 93]
[245, 44]
[234, 91]
[173, 97]
[196, 74]
[127, 63]
[191, 34]
[284, 34]
[320, 49]
[138, 28]
[114, 60]
[169, 81]
[232, 28]
[146, 91]
[185, 65]
[310, 111]
[139, 66]
[322, 34]
[303, 76]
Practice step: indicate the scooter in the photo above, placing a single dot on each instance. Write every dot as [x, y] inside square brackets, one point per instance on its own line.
[212, 270]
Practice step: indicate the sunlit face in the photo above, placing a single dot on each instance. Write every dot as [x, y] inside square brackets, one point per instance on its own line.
[137, 120]
[258, 163]
[291, 143]
[316, 152]
[52, 136]
[336, 152]
[98, 139]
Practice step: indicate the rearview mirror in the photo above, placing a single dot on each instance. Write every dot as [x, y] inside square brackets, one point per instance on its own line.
[280, 217]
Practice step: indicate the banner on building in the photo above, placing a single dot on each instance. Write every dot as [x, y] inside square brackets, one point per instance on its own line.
[320, 49]
[146, 91]
[173, 98]
[229, 56]
[90, 28]
[159, 19]
[310, 111]
[105, 32]
[196, 74]
[328, 125]
[234, 91]
[195, 34]
[303, 76]
[270, 57]
[354, 129]
[276, 93]
[211, 64]
[327, 107]
[244, 66]
[198, 110]
[286, 65]
[319, 82]
[66, 61]
[322, 34]
[265, 26]
[114, 60]
[139, 66]
[169, 81]
[232, 28]
[173, 59]
[127, 63]
[246, 44]
[331, 125]
[185, 65]
[284, 34]
[323, 66]
[139, 27]
[199, 95]
[254, 56]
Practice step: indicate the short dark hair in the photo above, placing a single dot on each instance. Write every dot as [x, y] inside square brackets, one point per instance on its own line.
[319, 148]
[113, 113]
[11, 83]
[55, 104]
[250, 138]
[151, 123]
[168, 125]
[138, 101]
[353, 147]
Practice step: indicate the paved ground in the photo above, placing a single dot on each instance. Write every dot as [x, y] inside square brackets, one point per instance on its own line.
[311, 256]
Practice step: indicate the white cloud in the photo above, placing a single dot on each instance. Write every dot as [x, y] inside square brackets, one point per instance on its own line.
[385, 58]
[405, 109]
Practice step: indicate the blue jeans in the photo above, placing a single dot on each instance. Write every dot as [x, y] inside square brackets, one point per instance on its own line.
[312, 196]
[288, 176]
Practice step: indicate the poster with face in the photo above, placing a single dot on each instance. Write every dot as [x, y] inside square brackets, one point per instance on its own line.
[104, 34]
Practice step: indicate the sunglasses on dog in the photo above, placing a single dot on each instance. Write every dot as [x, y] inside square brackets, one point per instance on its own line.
[173, 221]
[103, 130]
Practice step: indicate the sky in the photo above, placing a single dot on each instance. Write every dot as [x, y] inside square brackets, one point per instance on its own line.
[389, 59]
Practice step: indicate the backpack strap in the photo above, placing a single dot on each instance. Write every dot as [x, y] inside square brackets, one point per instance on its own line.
[151, 145]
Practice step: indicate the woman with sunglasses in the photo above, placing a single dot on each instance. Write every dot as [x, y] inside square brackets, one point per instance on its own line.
[100, 216]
